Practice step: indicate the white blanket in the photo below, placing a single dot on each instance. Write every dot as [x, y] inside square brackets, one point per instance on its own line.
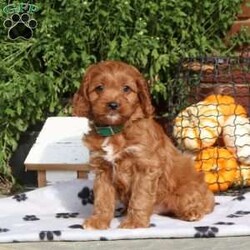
[56, 213]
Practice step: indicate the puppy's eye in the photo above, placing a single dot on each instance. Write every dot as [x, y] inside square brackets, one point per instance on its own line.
[126, 89]
[99, 88]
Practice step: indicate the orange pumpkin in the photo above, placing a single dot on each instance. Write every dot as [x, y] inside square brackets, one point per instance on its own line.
[198, 126]
[219, 166]
[227, 105]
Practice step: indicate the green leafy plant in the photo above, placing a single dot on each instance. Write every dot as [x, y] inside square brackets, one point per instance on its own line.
[39, 74]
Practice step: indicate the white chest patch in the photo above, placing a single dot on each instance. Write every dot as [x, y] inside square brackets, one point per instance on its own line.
[109, 150]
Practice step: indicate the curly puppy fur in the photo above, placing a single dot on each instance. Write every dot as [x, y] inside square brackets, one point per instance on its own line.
[138, 166]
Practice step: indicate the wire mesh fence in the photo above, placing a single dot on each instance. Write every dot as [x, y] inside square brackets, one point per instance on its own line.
[211, 118]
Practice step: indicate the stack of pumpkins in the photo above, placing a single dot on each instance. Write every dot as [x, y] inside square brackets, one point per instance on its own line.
[217, 131]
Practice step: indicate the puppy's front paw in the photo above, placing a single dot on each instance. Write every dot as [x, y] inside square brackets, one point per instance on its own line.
[95, 222]
[129, 223]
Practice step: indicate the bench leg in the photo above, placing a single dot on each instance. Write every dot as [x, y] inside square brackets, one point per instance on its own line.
[82, 175]
[41, 178]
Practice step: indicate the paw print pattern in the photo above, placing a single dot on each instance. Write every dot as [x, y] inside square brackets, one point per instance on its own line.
[238, 214]
[30, 218]
[206, 232]
[103, 239]
[119, 212]
[239, 198]
[49, 235]
[76, 226]
[87, 196]
[66, 215]
[224, 223]
[20, 197]
[20, 26]
[4, 230]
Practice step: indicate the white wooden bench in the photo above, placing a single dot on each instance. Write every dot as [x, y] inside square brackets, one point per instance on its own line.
[59, 150]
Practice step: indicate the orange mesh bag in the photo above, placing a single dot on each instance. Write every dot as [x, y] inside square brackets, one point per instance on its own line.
[219, 166]
[226, 105]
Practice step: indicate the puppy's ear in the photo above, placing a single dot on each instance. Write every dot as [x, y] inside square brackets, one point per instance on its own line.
[144, 97]
[80, 101]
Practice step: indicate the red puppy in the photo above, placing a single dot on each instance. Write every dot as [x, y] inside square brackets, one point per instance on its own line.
[134, 160]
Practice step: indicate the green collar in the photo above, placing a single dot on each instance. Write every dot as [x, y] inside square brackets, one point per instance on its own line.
[108, 130]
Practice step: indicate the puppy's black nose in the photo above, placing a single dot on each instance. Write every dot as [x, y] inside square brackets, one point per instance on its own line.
[113, 105]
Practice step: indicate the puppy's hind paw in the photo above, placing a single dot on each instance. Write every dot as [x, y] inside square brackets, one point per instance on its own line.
[192, 215]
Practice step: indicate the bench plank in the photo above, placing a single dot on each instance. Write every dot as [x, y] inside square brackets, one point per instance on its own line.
[59, 147]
